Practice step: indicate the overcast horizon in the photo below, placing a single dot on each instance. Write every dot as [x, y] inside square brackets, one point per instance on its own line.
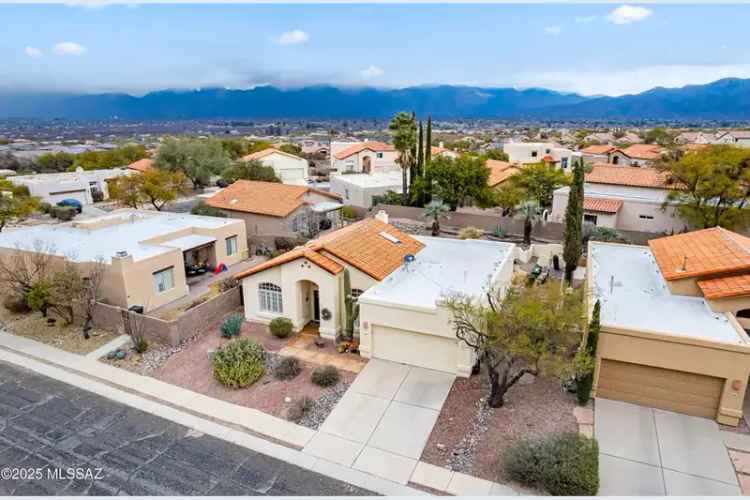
[590, 49]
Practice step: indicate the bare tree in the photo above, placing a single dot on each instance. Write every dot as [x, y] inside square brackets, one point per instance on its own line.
[135, 326]
[92, 292]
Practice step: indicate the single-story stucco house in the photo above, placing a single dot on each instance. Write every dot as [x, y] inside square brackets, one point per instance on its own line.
[289, 168]
[673, 319]
[399, 281]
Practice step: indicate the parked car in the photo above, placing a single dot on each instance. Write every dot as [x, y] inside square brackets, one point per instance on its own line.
[70, 202]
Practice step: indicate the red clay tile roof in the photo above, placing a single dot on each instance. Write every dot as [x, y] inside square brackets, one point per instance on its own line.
[604, 205]
[362, 146]
[598, 149]
[548, 159]
[360, 245]
[141, 165]
[604, 173]
[500, 171]
[264, 198]
[730, 286]
[644, 151]
[709, 252]
[265, 152]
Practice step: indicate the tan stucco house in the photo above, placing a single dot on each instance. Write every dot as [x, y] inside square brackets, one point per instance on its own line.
[363, 157]
[399, 281]
[289, 168]
[673, 319]
[146, 254]
[271, 210]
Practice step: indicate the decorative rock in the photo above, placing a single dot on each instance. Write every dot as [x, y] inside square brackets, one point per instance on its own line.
[120, 355]
[287, 399]
[323, 406]
[586, 430]
[741, 461]
[111, 354]
[583, 415]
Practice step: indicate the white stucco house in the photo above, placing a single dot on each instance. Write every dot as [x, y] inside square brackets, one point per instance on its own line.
[536, 152]
[400, 282]
[358, 189]
[624, 198]
[362, 157]
[79, 185]
[739, 138]
[289, 168]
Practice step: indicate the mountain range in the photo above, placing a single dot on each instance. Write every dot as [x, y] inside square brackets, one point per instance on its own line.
[722, 100]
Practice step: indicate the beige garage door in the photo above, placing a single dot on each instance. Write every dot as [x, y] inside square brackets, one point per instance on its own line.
[412, 348]
[673, 390]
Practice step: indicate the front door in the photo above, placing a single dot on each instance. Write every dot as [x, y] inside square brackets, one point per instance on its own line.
[316, 306]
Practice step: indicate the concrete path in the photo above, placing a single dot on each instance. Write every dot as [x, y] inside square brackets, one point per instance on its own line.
[645, 451]
[382, 423]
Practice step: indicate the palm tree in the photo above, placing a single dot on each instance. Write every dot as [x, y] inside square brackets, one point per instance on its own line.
[435, 210]
[530, 211]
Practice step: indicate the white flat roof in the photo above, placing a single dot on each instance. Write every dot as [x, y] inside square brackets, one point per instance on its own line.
[443, 267]
[380, 179]
[633, 294]
[189, 242]
[134, 227]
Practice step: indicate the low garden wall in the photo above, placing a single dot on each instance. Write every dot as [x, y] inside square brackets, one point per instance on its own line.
[189, 323]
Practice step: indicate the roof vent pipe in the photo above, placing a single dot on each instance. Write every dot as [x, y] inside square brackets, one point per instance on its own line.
[684, 264]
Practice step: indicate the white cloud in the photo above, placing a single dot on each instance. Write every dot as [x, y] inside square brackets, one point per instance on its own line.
[631, 80]
[626, 14]
[32, 52]
[69, 49]
[293, 37]
[371, 72]
[553, 30]
[585, 19]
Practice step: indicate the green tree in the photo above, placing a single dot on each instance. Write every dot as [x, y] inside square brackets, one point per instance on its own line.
[197, 159]
[509, 197]
[113, 158]
[15, 204]
[659, 136]
[203, 208]
[436, 210]
[159, 187]
[711, 187]
[531, 330]
[55, 162]
[539, 181]
[530, 212]
[126, 190]
[236, 148]
[496, 154]
[252, 170]
[586, 360]
[403, 128]
[455, 181]
[292, 149]
[573, 234]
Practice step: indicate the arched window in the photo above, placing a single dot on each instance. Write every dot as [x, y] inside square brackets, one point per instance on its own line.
[269, 298]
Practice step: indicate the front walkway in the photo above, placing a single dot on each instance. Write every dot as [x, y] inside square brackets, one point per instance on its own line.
[382, 423]
[645, 451]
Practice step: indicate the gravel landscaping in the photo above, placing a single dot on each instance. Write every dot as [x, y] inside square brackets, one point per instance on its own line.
[470, 437]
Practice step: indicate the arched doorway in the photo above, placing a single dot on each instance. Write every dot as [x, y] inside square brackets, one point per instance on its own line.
[615, 160]
[309, 302]
[366, 165]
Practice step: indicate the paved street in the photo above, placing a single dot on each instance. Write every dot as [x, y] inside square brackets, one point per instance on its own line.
[47, 426]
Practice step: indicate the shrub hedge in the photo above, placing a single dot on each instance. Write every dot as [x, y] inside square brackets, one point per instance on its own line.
[232, 326]
[239, 364]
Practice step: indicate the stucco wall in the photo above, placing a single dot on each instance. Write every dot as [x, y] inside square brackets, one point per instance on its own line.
[290, 170]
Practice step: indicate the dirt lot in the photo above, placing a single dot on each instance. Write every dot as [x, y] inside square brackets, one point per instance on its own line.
[471, 438]
[189, 366]
[66, 337]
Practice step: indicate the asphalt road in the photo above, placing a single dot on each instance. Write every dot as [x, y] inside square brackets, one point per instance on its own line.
[56, 439]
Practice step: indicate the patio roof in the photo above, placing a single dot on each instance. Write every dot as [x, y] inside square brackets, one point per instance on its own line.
[189, 242]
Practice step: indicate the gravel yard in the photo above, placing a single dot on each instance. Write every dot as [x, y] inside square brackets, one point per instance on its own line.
[470, 437]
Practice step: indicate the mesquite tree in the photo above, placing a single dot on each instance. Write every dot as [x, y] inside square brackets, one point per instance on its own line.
[534, 330]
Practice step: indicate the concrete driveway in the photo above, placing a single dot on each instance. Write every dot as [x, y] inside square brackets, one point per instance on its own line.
[645, 451]
[382, 423]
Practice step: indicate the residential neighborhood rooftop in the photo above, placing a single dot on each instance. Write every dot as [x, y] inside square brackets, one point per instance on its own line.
[362, 146]
[634, 295]
[121, 231]
[141, 165]
[443, 267]
[500, 171]
[387, 178]
[258, 155]
[264, 198]
[603, 173]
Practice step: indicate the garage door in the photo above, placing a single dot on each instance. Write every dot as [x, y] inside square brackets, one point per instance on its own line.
[79, 195]
[412, 348]
[673, 390]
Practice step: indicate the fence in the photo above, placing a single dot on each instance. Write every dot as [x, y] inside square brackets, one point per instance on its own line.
[195, 320]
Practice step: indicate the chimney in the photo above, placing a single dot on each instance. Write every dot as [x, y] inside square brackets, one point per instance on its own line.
[382, 216]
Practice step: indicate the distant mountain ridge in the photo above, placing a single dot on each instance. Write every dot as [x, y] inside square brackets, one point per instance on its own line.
[727, 99]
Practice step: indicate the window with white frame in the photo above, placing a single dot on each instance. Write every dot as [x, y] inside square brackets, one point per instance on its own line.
[164, 280]
[269, 298]
[231, 245]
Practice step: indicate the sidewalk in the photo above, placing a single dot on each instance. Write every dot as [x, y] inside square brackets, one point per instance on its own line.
[222, 419]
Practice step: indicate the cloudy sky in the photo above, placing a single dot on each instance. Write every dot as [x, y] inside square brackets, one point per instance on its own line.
[608, 49]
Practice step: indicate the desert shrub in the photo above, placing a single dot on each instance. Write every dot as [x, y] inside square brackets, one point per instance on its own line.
[63, 214]
[239, 364]
[470, 233]
[285, 243]
[563, 465]
[16, 304]
[45, 207]
[232, 326]
[140, 345]
[299, 408]
[203, 208]
[325, 376]
[287, 368]
[348, 212]
[281, 327]
[228, 283]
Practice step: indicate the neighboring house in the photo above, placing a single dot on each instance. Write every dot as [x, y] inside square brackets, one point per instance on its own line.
[363, 157]
[313, 147]
[141, 165]
[442, 151]
[628, 138]
[290, 169]
[598, 153]
[600, 138]
[638, 155]
[672, 317]
[739, 138]
[272, 210]
[80, 185]
[358, 189]
[146, 253]
[500, 171]
[400, 282]
[624, 198]
[684, 138]
[536, 152]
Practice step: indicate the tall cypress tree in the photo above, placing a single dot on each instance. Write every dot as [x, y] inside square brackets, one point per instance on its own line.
[426, 162]
[420, 165]
[573, 238]
[414, 170]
